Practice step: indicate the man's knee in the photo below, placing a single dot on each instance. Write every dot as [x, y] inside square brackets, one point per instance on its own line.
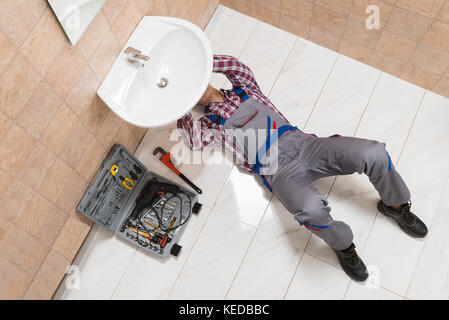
[375, 156]
[313, 212]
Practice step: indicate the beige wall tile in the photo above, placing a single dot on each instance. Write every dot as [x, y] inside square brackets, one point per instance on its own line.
[207, 15]
[55, 181]
[355, 51]
[105, 56]
[158, 8]
[6, 179]
[76, 146]
[45, 42]
[359, 8]
[91, 160]
[328, 20]
[17, 84]
[438, 36]
[38, 290]
[96, 115]
[36, 167]
[428, 8]
[265, 14]
[442, 87]
[107, 130]
[66, 71]
[243, 6]
[7, 52]
[357, 33]
[68, 241]
[113, 8]
[40, 110]
[52, 270]
[125, 24]
[420, 77]
[15, 149]
[17, 246]
[396, 46]
[6, 228]
[198, 8]
[181, 9]
[340, 6]
[270, 4]
[443, 16]
[16, 286]
[430, 59]
[84, 93]
[33, 260]
[6, 270]
[91, 39]
[295, 26]
[5, 125]
[15, 200]
[59, 131]
[35, 214]
[52, 226]
[408, 24]
[18, 18]
[72, 192]
[298, 9]
[324, 38]
[143, 6]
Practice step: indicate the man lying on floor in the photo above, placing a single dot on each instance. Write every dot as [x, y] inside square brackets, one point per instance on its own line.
[300, 160]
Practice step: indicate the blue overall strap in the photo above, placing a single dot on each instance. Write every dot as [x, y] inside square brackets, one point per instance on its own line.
[241, 93]
[216, 119]
[270, 141]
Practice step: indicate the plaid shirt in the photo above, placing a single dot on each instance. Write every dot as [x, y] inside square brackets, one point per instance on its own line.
[200, 134]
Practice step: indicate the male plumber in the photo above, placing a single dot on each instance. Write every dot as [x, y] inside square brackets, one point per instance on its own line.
[301, 159]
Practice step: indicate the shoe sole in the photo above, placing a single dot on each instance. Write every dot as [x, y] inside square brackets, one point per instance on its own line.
[407, 231]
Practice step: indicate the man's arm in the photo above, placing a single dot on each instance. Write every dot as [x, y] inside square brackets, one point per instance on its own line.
[195, 134]
[236, 71]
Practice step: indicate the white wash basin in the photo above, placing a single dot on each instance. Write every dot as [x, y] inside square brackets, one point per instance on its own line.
[179, 52]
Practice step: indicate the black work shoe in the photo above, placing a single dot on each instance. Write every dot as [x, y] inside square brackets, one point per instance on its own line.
[352, 264]
[407, 221]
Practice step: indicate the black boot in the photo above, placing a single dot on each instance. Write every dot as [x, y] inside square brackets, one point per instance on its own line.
[407, 221]
[352, 264]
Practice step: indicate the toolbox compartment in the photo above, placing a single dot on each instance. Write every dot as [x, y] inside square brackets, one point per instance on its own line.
[111, 198]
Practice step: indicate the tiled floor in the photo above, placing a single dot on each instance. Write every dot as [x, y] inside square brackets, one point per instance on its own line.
[244, 244]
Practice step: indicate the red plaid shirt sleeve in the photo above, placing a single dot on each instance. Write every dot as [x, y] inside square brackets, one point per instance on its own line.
[236, 71]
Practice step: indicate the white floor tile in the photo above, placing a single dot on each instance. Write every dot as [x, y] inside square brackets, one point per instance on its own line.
[363, 291]
[316, 279]
[266, 61]
[424, 163]
[243, 197]
[228, 32]
[301, 80]
[279, 223]
[392, 251]
[102, 260]
[431, 277]
[266, 270]
[344, 98]
[149, 277]
[215, 259]
[390, 113]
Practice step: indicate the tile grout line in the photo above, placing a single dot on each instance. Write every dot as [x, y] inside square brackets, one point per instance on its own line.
[425, 241]
[322, 90]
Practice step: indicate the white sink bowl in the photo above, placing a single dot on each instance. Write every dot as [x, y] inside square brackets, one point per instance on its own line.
[180, 52]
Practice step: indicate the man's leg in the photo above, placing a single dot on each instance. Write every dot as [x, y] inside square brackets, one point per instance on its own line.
[345, 155]
[339, 155]
[293, 186]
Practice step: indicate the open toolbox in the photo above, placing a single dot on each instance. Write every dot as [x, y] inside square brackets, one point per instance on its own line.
[138, 205]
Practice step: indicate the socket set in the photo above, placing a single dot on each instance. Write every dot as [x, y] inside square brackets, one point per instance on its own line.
[137, 205]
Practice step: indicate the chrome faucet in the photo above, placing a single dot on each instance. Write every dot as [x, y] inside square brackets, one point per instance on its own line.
[135, 55]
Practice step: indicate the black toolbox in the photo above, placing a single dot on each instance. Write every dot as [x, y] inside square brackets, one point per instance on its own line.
[138, 205]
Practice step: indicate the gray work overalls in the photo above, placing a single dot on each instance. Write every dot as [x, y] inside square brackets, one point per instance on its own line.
[302, 158]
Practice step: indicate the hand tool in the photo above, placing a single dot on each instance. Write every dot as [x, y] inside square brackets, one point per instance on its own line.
[166, 159]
